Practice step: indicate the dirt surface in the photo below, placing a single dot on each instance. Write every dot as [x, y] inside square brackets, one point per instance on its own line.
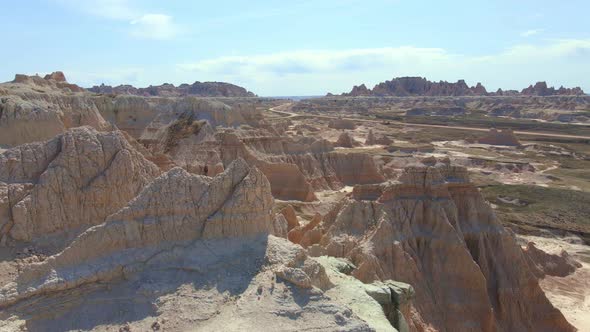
[570, 294]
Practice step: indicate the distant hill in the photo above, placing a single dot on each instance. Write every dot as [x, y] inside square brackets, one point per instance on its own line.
[200, 89]
[419, 86]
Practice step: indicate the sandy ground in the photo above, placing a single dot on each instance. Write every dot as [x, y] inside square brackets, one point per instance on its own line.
[569, 294]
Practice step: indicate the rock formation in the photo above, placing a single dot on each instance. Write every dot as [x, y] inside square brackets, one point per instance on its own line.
[175, 208]
[290, 216]
[346, 141]
[433, 230]
[418, 86]
[197, 89]
[541, 89]
[36, 109]
[57, 76]
[163, 251]
[68, 183]
[287, 181]
[542, 263]
[360, 90]
[502, 137]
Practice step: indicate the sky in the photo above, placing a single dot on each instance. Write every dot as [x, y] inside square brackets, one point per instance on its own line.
[298, 48]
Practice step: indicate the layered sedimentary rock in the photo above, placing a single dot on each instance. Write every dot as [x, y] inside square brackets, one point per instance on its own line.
[419, 86]
[174, 208]
[346, 141]
[146, 118]
[290, 216]
[541, 89]
[68, 183]
[502, 137]
[214, 112]
[199, 89]
[36, 109]
[433, 230]
[542, 263]
[190, 143]
[161, 254]
[352, 168]
[286, 179]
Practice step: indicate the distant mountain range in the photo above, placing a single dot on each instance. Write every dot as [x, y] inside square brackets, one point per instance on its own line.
[419, 86]
[199, 89]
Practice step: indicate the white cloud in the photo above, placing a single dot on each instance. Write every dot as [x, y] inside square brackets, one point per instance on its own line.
[307, 72]
[154, 26]
[314, 61]
[142, 25]
[531, 32]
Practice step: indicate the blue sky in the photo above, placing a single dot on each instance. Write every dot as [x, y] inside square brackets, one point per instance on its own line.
[298, 47]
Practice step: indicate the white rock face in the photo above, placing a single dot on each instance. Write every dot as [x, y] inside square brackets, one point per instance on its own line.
[32, 112]
[226, 284]
[68, 183]
[162, 253]
[175, 208]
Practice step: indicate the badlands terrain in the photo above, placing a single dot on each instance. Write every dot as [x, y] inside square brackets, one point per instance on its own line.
[412, 206]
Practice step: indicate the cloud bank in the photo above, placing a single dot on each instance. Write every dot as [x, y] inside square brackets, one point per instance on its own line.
[312, 71]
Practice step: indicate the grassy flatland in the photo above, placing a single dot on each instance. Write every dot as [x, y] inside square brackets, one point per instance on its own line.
[553, 208]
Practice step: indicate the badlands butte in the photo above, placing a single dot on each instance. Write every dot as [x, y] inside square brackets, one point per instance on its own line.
[412, 206]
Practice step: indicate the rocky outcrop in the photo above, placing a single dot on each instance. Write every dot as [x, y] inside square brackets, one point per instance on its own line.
[68, 183]
[359, 90]
[418, 86]
[541, 89]
[346, 141]
[352, 168]
[290, 216]
[287, 181]
[307, 234]
[229, 284]
[197, 89]
[36, 109]
[165, 249]
[175, 208]
[190, 144]
[384, 305]
[542, 263]
[55, 80]
[214, 112]
[147, 118]
[503, 137]
[433, 230]
[57, 76]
